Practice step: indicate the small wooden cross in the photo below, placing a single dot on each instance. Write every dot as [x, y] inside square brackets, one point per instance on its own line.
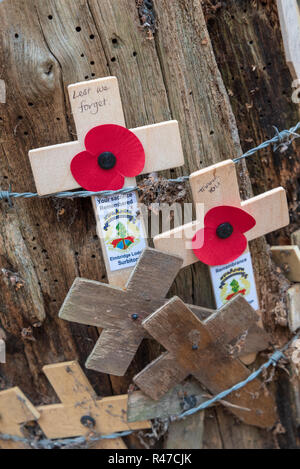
[81, 411]
[215, 186]
[95, 103]
[15, 411]
[120, 311]
[288, 258]
[208, 351]
[289, 16]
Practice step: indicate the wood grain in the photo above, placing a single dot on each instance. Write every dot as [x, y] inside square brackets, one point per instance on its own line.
[288, 259]
[15, 411]
[78, 399]
[166, 81]
[111, 308]
[202, 352]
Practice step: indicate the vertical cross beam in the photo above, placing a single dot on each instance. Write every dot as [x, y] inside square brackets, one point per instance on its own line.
[95, 103]
[206, 351]
[81, 411]
[15, 411]
[289, 17]
[215, 186]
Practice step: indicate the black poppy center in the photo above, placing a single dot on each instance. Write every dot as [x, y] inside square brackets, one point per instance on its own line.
[224, 230]
[107, 160]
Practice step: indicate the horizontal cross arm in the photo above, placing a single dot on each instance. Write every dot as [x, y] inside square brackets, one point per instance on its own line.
[94, 304]
[270, 211]
[178, 242]
[51, 165]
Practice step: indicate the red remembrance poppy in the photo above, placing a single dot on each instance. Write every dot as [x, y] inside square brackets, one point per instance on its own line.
[221, 241]
[112, 153]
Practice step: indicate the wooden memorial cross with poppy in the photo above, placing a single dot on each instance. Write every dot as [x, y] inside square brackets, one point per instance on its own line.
[208, 351]
[15, 411]
[220, 234]
[107, 156]
[81, 411]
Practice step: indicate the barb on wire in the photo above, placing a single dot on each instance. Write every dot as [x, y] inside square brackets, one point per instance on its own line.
[280, 141]
[51, 444]
[283, 138]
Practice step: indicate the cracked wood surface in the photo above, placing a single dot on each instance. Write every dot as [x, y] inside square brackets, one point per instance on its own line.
[48, 243]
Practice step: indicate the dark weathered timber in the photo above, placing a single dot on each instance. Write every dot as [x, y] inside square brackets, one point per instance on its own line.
[46, 243]
[202, 351]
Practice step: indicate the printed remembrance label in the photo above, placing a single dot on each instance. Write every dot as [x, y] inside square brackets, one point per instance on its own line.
[122, 229]
[233, 279]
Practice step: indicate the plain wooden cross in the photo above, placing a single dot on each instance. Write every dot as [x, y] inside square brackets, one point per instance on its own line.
[218, 185]
[81, 411]
[288, 258]
[120, 311]
[95, 103]
[15, 411]
[289, 16]
[208, 351]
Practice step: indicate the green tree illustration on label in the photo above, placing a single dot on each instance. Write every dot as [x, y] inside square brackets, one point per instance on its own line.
[123, 241]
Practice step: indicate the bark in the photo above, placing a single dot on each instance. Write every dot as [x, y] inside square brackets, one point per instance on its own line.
[46, 243]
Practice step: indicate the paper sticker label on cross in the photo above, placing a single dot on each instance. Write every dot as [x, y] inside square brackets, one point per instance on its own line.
[122, 229]
[98, 103]
[216, 187]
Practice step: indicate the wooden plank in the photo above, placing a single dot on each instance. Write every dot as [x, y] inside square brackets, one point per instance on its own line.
[15, 411]
[289, 16]
[288, 259]
[295, 238]
[180, 398]
[51, 165]
[188, 436]
[199, 352]
[273, 203]
[78, 400]
[293, 300]
[121, 311]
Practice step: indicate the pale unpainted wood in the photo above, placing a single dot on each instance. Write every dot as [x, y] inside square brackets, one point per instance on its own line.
[105, 306]
[293, 300]
[295, 238]
[288, 259]
[78, 399]
[183, 82]
[218, 185]
[289, 16]
[15, 410]
[200, 352]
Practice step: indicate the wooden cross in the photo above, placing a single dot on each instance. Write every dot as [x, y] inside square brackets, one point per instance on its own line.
[81, 411]
[15, 411]
[288, 258]
[218, 185]
[289, 16]
[208, 351]
[95, 103]
[120, 311]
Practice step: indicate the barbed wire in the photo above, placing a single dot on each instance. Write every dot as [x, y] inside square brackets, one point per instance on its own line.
[82, 440]
[281, 141]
